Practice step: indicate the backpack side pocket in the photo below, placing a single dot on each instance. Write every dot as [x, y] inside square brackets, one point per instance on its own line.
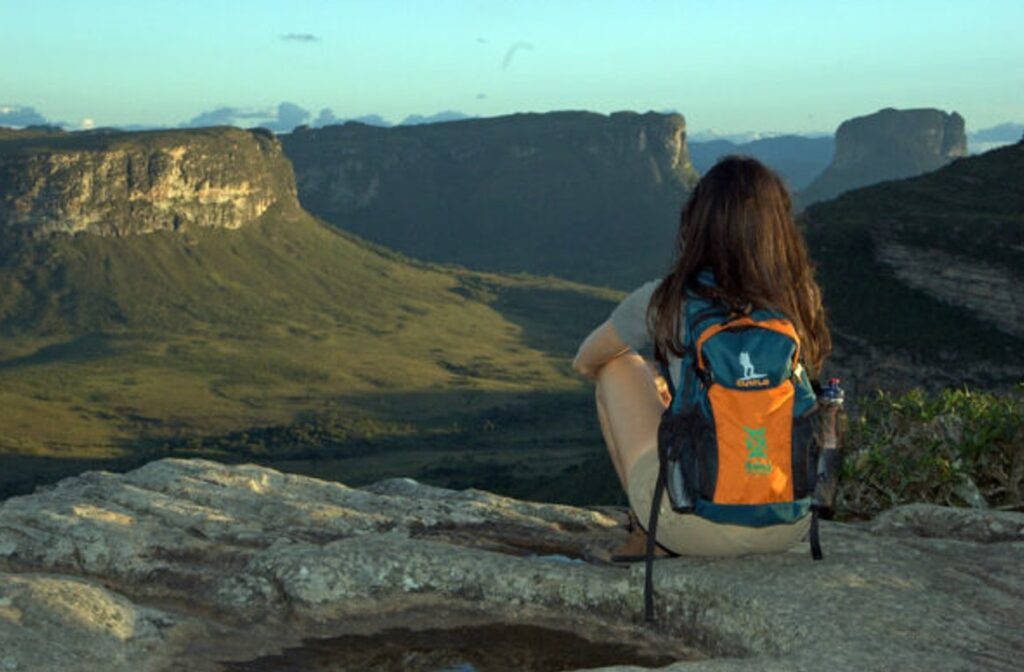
[805, 453]
[679, 459]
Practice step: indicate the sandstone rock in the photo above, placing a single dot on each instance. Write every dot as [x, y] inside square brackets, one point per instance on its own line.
[262, 558]
[120, 184]
[52, 622]
[921, 520]
[888, 145]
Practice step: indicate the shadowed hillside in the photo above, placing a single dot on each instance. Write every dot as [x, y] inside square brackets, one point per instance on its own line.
[580, 195]
[929, 271]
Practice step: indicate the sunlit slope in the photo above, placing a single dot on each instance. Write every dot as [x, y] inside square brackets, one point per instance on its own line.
[110, 340]
[932, 266]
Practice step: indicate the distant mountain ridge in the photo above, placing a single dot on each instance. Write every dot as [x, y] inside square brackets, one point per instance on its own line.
[798, 159]
[584, 196]
[996, 136]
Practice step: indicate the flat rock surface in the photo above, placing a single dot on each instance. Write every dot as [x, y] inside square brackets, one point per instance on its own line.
[190, 564]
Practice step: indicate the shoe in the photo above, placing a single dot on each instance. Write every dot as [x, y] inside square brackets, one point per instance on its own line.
[633, 524]
[634, 549]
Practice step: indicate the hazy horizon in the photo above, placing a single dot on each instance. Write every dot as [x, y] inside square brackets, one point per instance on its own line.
[793, 67]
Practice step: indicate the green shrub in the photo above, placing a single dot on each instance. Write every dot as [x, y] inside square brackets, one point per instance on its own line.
[956, 447]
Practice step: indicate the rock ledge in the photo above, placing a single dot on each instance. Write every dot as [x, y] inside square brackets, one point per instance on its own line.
[183, 563]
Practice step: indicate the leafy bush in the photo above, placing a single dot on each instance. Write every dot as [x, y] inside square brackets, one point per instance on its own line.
[957, 447]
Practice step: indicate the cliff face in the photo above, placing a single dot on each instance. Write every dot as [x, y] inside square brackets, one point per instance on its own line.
[569, 193]
[889, 144]
[343, 167]
[929, 270]
[991, 292]
[120, 184]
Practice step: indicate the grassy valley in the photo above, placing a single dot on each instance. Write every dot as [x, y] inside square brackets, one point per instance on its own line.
[290, 342]
[284, 341]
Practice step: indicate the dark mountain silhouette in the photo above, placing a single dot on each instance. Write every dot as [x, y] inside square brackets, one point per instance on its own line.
[438, 118]
[580, 195]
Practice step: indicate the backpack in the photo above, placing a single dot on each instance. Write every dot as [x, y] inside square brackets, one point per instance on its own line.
[737, 444]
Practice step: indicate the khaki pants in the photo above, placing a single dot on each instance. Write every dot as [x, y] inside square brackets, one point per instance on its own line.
[691, 535]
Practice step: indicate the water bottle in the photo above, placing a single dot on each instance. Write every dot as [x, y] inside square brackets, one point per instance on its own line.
[832, 394]
[829, 458]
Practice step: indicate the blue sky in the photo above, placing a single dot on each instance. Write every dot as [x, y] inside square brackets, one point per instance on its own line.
[730, 65]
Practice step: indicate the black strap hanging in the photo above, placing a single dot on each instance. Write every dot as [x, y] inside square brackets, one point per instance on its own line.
[815, 541]
[652, 528]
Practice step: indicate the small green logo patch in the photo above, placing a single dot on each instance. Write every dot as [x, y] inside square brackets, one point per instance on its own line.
[757, 451]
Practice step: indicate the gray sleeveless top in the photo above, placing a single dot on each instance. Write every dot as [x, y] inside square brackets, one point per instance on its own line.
[630, 321]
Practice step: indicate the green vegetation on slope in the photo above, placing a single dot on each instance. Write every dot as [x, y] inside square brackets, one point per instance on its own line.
[124, 348]
[972, 208]
[954, 447]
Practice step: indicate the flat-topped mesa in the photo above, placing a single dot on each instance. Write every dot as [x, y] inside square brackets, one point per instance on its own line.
[119, 184]
[340, 168]
[887, 145]
[590, 197]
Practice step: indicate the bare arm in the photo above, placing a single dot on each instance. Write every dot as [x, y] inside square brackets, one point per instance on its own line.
[600, 347]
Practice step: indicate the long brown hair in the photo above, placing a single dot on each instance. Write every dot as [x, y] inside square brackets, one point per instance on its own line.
[738, 223]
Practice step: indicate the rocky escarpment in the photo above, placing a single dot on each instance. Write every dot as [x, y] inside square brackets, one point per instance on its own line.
[577, 194]
[929, 270]
[887, 145]
[188, 564]
[118, 184]
[988, 291]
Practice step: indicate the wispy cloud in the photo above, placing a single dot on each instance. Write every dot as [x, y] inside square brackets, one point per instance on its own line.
[224, 116]
[20, 115]
[300, 37]
[282, 119]
[513, 50]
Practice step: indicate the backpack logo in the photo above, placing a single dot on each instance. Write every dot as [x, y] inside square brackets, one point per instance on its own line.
[750, 377]
[758, 463]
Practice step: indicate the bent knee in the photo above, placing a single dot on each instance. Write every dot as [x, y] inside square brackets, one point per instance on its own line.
[629, 365]
[626, 377]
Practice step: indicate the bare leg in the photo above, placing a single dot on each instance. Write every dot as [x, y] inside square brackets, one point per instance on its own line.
[629, 408]
[609, 441]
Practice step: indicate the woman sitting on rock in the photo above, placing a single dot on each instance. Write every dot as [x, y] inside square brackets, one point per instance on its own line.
[738, 225]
